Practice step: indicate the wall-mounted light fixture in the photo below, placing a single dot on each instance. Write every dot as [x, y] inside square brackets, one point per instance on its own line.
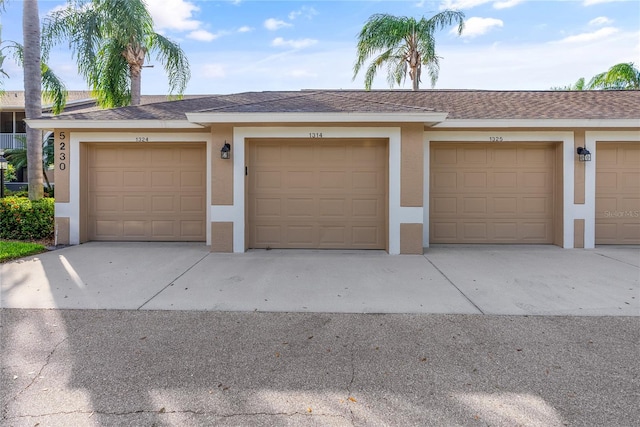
[583, 154]
[225, 152]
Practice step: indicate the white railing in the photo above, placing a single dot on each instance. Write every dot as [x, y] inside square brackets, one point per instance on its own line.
[9, 140]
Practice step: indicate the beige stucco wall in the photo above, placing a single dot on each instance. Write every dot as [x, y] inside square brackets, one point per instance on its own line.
[221, 170]
[411, 239]
[222, 237]
[412, 165]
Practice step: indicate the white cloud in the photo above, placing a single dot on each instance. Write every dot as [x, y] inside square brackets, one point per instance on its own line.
[505, 4]
[469, 4]
[296, 44]
[461, 4]
[173, 15]
[245, 29]
[213, 71]
[504, 66]
[592, 2]
[305, 11]
[601, 20]
[202, 35]
[474, 27]
[600, 34]
[273, 24]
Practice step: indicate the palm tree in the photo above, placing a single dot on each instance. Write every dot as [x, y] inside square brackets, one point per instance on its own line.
[111, 39]
[578, 85]
[33, 95]
[18, 157]
[404, 44]
[53, 88]
[620, 76]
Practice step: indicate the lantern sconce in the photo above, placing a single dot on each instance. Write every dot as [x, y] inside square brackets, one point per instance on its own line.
[583, 154]
[225, 152]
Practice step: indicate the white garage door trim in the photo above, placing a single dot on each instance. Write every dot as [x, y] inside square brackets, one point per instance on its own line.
[236, 213]
[508, 137]
[72, 208]
[591, 137]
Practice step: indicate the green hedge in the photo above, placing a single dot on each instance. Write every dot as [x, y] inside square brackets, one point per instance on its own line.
[22, 219]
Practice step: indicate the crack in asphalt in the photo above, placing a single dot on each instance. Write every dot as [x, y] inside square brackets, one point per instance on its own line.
[353, 378]
[5, 408]
[184, 411]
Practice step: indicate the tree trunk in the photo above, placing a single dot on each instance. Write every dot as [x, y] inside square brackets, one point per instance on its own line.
[135, 58]
[33, 95]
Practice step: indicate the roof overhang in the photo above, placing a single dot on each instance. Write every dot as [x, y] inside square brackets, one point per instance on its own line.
[538, 123]
[49, 124]
[428, 118]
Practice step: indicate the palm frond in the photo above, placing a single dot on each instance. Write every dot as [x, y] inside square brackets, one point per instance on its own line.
[53, 89]
[174, 61]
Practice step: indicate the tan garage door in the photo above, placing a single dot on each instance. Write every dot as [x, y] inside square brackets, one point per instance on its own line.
[317, 193]
[491, 193]
[146, 192]
[618, 193]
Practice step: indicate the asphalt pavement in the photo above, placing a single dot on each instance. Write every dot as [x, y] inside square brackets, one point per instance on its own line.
[114, 334]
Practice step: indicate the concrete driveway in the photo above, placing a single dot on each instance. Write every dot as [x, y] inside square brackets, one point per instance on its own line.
[144, 365]
[515, 280]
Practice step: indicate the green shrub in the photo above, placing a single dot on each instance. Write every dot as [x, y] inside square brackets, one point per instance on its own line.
[10, 173]
[22, 219]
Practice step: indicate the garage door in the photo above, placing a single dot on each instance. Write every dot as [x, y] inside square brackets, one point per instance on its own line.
[491, 193]
[618, 193]
[319, 193]
[146, 192]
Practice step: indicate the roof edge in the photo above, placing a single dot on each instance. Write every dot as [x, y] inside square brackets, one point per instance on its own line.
[341, 117]
[48, 124]
[538, 123]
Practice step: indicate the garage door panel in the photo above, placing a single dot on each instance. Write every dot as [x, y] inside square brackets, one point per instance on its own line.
[300, 207]
[332, 180]
[130, 204]
[300, 179]
[505, 231]
[618, 193]
[163, 204]
[366, 209]
[131, 229]
[505, 206]
[444, 205]
[106, 179]
[132, 198]
[340, 185]
[268, 179]
[474, 156]
[492, 194]
[131, 180]
[105, 203]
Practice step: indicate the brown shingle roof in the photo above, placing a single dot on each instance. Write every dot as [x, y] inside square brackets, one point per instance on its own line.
[459, 104]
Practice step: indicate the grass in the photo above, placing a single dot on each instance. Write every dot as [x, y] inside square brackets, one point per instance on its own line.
[12, 250]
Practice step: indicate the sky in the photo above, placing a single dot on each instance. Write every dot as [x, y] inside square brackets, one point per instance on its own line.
[242, 45]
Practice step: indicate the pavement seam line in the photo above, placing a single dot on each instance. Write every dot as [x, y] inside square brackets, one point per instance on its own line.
[615, 259]
[171, 282]
[454, 285]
